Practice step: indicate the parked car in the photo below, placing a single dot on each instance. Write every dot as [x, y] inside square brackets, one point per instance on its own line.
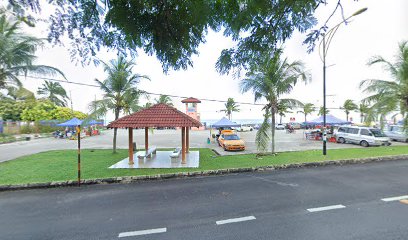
[231, 141]
[396, 133]
[280, 126]
[244, 128]
[295, 125]
[364, 136]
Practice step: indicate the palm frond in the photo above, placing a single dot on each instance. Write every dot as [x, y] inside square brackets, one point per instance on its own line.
[263, 137]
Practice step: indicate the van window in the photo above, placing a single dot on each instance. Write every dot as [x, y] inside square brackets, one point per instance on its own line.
[352, 130]
[342, 129]
[377, 132]
[365, 132]
[396, 129]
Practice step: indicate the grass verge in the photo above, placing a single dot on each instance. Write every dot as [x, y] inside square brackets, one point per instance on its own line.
[61, 165]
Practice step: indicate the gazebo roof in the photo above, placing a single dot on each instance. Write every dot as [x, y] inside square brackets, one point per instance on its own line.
[159, 115]
[190, 100]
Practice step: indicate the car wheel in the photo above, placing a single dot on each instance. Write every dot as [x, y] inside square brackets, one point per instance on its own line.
[341, 140]
[251, 129]
[364, 143]
[225, 149]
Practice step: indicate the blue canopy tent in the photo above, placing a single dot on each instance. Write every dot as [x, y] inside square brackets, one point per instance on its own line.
[71, 123]
[330, 119]
[94, 122]
[224, 122]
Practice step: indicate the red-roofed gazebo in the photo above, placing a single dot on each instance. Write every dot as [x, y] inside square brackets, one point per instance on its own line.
[159, 115]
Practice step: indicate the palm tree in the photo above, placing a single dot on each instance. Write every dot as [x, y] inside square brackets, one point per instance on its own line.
[54, 92]
[269, 81]
[17, 54]
[321, 111]
[19, 93]
[308, 108]
[147, 105]
[363, 110]
[389, 95]
[230, 107]
[120, 91]
[164, 99]
[282, 110]
[348, 106]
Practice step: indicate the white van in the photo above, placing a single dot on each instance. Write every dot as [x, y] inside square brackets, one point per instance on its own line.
[364, 136]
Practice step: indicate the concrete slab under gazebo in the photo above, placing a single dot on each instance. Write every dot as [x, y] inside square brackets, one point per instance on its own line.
[159, 115]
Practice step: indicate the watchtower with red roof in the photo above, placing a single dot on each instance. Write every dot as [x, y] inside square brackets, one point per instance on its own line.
[192, 109]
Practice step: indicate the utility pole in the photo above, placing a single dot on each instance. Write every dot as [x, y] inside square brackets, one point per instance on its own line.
[70, 97]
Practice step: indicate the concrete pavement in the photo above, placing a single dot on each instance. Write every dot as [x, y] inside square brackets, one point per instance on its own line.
[270, 205]
[161, 139]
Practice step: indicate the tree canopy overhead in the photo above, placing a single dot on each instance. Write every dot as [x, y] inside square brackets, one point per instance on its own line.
[172, 30]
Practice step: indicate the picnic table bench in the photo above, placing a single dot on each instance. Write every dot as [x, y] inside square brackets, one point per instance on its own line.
[148, 153]
[175, 153]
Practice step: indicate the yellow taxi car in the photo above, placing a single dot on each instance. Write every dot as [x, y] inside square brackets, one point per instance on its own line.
[230, 141]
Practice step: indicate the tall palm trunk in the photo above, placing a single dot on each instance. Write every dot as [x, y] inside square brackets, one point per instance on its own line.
[361, 117]
[305, 117]
[273, 130]
[115, 131]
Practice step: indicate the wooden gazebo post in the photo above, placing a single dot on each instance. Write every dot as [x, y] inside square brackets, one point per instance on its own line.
[146, 139]
[131, 146]
[183, 145]
[187, 139]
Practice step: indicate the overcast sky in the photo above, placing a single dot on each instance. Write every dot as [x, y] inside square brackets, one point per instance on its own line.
[375, 32]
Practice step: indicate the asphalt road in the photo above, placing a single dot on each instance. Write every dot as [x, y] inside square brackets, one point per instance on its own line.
[284, 204]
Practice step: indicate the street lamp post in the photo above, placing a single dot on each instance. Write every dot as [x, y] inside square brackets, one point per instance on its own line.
[326, 45]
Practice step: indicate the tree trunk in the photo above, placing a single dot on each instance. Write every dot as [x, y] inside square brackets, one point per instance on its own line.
[280, 120]
[273, 131]
[347, 117]
[361, 117]
[115, 131]
[305, 117]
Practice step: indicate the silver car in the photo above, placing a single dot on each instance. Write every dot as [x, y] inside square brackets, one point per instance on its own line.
[396, 133]
[362, 135]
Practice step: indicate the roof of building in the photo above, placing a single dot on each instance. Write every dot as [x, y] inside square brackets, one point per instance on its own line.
[159, 115]
[190, 100]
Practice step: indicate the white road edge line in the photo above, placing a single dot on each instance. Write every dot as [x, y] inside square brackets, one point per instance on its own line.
[319, 209]
[142, 232]
[234, 220]
[395, 198]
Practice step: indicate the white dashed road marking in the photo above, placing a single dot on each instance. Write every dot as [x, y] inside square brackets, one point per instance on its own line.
[390, 199]
[234, 220]
[319, 209]
[142, 232]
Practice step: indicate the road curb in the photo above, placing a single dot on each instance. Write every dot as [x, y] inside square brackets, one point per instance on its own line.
[132, 179]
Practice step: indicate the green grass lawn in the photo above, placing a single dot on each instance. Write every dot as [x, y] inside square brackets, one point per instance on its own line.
[62, 165]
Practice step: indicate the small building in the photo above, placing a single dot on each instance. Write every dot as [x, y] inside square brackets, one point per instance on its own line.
[192, 110]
